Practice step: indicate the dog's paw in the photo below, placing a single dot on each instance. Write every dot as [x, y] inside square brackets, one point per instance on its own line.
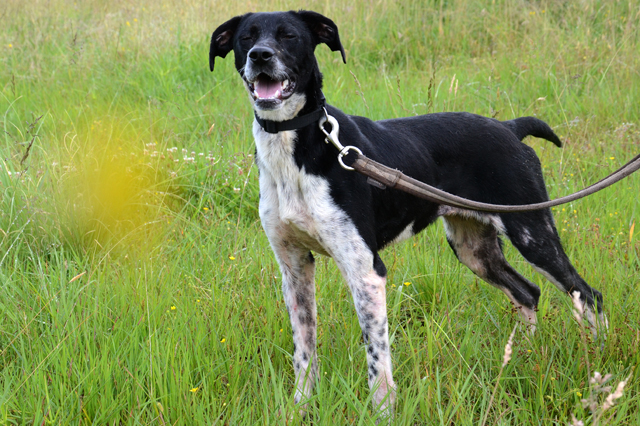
[384, 418]
[293, 415]
[529, 320]
[598, 322]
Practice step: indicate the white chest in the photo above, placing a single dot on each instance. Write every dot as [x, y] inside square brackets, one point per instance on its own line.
[294, 205]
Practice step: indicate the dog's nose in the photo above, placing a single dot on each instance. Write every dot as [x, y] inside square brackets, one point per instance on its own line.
[261, 54]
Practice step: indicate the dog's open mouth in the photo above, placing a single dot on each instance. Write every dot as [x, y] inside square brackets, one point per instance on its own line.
[266, 88]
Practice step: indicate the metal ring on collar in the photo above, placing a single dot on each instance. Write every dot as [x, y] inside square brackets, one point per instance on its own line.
[335, 129]
[344, 152]
[333, 138]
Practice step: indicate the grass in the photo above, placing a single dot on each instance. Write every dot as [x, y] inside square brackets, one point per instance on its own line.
[138, 287]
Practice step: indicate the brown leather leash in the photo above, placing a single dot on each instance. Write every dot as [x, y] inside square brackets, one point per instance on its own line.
[393, 178]
[386, 177]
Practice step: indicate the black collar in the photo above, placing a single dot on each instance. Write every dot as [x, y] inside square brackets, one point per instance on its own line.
[295, 123]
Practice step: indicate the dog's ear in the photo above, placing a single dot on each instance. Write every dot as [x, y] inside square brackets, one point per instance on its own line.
[222, 39]
[324, 29]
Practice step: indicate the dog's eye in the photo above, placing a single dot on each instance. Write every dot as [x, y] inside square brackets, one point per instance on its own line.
[288, 36]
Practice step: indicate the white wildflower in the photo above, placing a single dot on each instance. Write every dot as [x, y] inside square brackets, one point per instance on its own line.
[508, 349]
[617, 394]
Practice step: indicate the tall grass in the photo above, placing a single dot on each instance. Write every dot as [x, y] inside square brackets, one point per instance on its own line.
[138, 288]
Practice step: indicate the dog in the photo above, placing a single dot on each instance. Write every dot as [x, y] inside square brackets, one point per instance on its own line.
[309, 203]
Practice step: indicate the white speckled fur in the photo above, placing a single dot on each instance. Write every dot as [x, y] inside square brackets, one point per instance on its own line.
[298, 215]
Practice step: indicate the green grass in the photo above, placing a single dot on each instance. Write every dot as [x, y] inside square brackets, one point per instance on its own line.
[138, 287]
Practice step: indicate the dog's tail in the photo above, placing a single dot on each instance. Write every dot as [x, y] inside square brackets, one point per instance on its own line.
[531, 126]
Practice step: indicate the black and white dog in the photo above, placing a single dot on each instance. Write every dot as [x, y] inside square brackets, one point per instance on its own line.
[308, 202]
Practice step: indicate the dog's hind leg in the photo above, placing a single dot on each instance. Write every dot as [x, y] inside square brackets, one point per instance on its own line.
[475, 242]
[535, 236]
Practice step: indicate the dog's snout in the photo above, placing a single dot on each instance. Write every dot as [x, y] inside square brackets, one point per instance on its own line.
[261, 54]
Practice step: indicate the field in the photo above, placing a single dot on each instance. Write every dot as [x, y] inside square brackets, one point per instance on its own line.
[137, 286]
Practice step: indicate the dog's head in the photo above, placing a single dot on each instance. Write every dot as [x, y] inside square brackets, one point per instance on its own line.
[274, 54]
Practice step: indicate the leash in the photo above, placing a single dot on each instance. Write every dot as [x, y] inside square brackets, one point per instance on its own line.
[382, 177]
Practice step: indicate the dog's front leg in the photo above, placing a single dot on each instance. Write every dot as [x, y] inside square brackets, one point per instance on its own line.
[367, 280]
[369, 297]
[298, 287]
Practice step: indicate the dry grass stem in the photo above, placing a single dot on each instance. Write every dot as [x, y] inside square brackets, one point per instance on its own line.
[508, 350]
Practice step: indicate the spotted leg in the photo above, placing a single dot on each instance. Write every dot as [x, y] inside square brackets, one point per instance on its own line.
[298, 288]
[366, 276]
[297, 267]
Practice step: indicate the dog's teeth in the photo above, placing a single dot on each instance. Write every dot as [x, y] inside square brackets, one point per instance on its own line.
[278, 94]
[285, 84]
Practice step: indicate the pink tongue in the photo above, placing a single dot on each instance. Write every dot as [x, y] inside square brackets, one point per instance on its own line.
[267, 88]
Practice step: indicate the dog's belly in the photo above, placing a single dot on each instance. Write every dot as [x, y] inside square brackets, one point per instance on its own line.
[302, 237]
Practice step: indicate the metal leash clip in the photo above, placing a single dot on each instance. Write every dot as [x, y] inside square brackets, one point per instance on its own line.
[332, 137]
